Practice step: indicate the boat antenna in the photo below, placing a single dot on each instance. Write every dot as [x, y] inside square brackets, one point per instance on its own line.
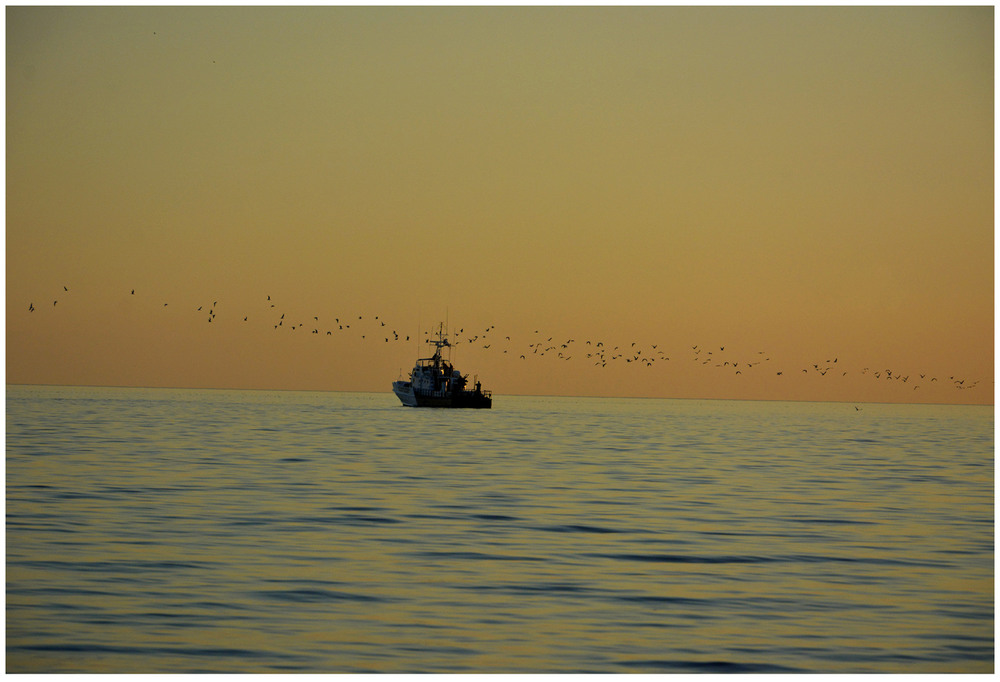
[451, 345]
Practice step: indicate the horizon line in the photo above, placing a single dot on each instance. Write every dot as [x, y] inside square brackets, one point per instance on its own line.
[512, 395]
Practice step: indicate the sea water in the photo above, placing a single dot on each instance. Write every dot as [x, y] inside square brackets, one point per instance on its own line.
[222, 531]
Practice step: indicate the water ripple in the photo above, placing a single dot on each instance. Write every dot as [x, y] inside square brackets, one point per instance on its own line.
[711, 667]
[168, 531]
[304, 595]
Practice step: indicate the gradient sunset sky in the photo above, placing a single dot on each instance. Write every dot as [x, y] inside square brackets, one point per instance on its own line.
[791, 189]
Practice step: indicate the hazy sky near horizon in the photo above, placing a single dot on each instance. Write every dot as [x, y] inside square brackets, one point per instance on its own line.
[797, 183]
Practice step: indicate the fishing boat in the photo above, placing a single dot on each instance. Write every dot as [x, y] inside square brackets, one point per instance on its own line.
[434, 382]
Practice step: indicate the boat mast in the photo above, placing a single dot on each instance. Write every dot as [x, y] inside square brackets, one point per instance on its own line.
[441, 342]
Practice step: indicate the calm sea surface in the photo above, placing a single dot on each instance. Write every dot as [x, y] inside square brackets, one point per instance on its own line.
[224, 531]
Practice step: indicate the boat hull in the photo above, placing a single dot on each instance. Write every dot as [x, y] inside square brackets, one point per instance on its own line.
[404, 391]
[461, 399]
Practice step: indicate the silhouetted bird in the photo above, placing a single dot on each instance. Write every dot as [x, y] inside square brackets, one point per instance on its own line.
[31, 307]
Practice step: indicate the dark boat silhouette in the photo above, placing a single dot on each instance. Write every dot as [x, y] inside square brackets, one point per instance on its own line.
[434, 382]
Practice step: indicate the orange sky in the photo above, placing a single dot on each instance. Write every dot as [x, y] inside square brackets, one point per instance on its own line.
[799, 184]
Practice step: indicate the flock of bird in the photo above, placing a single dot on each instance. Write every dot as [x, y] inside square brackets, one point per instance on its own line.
[595, 352]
